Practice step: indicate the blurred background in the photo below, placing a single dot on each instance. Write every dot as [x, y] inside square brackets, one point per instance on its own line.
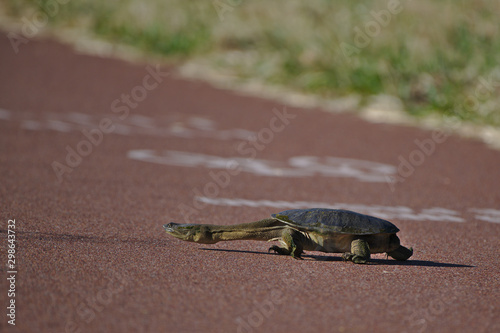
[432, 59]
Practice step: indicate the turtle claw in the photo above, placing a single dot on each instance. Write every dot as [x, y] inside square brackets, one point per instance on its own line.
[354, 258]
[346, 256]
[283, 251]
[278, 250]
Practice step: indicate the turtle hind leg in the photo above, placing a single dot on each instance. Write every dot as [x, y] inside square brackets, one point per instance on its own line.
[360, 252]
[292, 247]
[401, 253]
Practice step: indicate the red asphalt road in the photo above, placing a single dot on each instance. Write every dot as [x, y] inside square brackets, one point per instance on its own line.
[91, 254]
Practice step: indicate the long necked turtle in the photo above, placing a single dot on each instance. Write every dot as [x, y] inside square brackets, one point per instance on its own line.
[318, 229]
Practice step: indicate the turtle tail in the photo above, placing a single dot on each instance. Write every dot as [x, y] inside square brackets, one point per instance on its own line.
[401, 253]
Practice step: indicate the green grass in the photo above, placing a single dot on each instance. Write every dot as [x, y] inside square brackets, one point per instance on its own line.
[434, 55]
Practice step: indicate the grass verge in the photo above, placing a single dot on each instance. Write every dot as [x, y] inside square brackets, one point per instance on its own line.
[438, 57]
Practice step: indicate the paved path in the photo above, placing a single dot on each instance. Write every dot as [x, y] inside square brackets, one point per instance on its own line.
[97, 154]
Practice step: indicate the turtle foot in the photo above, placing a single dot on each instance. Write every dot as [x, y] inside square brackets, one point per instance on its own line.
[354, 258]
[283, 251]
[360, 252]
[279, 250]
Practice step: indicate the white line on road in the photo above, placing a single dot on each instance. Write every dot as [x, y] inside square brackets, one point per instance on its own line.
[385, 212]
[298, 166]
[487, 214]
[178, 125]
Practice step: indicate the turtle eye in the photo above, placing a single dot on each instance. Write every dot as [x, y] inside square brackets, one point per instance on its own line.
[169, 225]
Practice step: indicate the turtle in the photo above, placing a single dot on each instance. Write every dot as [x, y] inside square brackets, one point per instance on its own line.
[326, 230]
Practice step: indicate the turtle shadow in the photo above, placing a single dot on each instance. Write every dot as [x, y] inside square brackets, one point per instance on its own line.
[75, 238]
[311, 257]
[423, 263]
[373, 261]
[236, 251]
[391, 262]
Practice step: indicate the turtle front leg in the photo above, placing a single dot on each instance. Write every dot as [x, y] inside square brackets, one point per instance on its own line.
[360, 252]
[292, 245]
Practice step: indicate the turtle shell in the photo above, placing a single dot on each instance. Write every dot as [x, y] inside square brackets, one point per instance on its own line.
[341, 221]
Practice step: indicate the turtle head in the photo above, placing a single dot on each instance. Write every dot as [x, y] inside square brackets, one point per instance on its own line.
[397, 251]
[190, 232]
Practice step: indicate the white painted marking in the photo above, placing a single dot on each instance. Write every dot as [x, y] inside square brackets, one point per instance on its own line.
[300, 166]
[344, 167]
[142, 121]
[487, 214]
[4, 114]
[59, 126]
[31, 125]
[385, 212]
[73, 117]
[202, 123]
[188, 127]
[122, 129]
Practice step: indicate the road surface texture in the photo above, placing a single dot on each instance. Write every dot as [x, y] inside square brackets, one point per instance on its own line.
[97, 154]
